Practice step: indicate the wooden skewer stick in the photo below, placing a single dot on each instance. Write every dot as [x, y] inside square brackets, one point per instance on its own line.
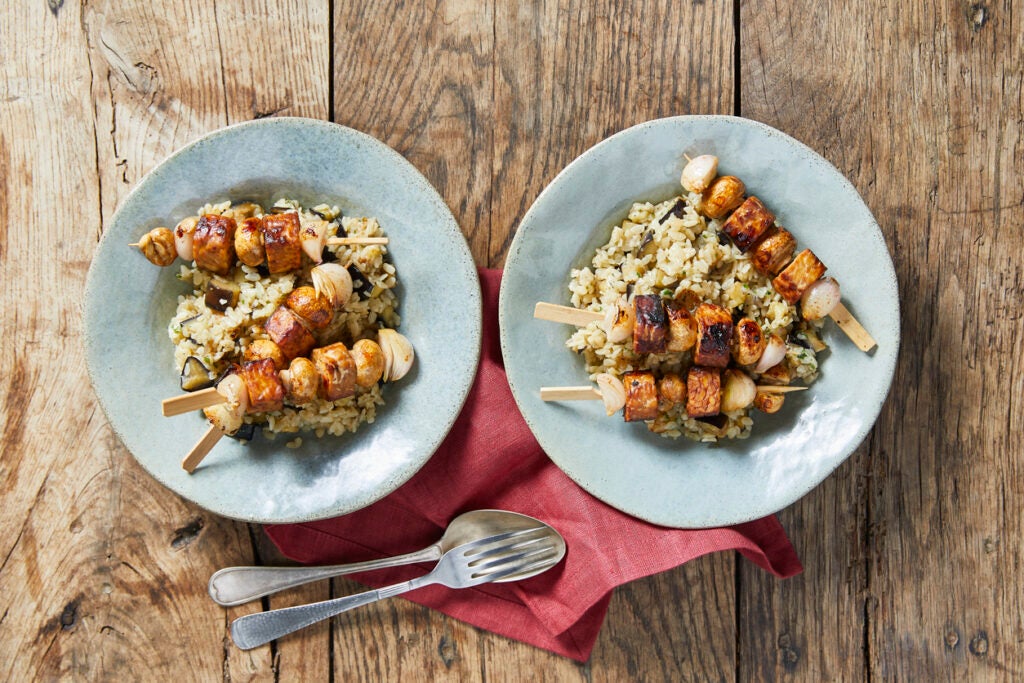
[565, 314]
[186, 403]
[135, 244]
[336, 241]
[581, 318]
[201, 449]
[778, 389]
[853, 329]
[587, 393]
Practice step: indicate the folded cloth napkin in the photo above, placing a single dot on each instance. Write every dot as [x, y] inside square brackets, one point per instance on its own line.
[491, 460]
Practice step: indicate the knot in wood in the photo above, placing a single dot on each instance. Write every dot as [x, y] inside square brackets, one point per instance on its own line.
[977, 16]
[979, 644]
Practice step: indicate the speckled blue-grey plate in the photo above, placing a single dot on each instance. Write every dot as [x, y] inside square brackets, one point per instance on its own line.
[682, 483]
[130, 301]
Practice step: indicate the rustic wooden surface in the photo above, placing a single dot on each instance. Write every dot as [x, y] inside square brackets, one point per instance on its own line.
[911, 549]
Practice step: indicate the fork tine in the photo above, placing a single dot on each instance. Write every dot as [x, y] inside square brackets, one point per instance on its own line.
[505, 549]
[512, 562]
[499, 540]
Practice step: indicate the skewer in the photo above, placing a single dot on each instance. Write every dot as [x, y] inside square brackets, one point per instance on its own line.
[581, 318]
[186, 403]
[565, 314]
[201, 449]
[591, 393]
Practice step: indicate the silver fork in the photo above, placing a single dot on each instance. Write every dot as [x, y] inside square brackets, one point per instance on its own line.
[526, 552]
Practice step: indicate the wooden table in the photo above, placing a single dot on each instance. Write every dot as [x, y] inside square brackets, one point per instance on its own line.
[914, 569]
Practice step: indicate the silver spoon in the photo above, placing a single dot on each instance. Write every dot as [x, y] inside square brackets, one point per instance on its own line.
[238, 585]
[510, 555]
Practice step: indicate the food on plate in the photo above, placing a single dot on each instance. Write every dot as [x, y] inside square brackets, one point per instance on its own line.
[297, 342]
[700, 299]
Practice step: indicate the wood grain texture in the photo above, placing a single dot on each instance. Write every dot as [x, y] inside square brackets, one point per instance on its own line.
[920, 108]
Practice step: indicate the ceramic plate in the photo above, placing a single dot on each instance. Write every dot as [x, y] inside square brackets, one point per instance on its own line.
[677, 482]
[130, 301]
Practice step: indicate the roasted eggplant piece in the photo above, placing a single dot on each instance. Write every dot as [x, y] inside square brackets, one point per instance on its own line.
[195, 375]
[266, 392]
[703, 391]
[803, 272]
[748, 223]
[221, 295]
[714, 336]
[287, 331]
[641, 396]
[360, 283]
[650, 328]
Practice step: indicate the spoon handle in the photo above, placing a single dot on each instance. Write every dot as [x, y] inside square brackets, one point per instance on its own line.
[258, 629]
[237, 585]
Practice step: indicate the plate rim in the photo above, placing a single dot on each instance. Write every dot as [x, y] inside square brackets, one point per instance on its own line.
[463, 258]
[504, 322]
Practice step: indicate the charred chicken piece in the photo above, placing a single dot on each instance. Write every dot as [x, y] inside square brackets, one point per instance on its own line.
[748, 223]
[714, 336]
[650, 328]
[266, 392]
[213, 246]
[803, 272]
[337, 371]
[286, 330]
[641, 396]
[703, 391]
[281, 242]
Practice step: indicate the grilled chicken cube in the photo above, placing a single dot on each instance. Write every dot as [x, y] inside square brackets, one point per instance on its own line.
[287, 331]
[723, 195]
[748, 342]
[281, 242]
[641, 396]
[213, 245]
[301, 381]
[748, 223]
[264, 348]
[266, 392]
[714, 336]
[671, 389]
[682, 328]
[803, 272]
[337, 371]
[650, 327]
[703, 391]
[310, 306]
[772, 253]
[249, 242]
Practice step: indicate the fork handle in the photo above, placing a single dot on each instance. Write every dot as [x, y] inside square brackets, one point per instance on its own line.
[237, 585]
[258, 629]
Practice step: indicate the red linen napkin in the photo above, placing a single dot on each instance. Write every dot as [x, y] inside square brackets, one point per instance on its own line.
[491, 460]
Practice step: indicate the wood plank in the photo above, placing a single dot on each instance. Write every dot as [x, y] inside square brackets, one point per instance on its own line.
[105, 570]
[568, 74]
[418, 76]
[940, 481]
